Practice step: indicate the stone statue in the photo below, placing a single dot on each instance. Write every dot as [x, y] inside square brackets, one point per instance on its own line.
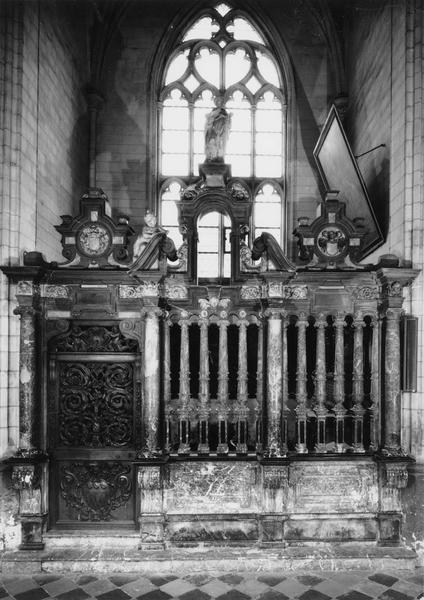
[217, 129]
[150, 228]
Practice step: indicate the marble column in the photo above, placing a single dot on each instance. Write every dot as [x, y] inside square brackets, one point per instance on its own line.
[223, 408]
[274, 383]
[285, 383]
[301, 392]
[242, 410]
[29, 408]
[204, 408]
[392, 413]
[320, 383]
[167, 381]
[259, 389]
[151, 382]
[358, 383]
[339, 382]
[184, 391]
[375, 383]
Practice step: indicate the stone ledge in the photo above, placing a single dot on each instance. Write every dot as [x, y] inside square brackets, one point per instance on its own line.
[320, 557]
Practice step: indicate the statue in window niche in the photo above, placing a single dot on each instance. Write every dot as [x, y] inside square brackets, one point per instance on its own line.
[150, 229]
[217, 130]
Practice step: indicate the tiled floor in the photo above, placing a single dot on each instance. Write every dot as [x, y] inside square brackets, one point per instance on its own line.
[348, 585]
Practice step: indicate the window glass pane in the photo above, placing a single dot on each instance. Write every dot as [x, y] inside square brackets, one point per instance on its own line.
[267, 69]
[169, 213]
[240, 119]
[268, 166]
[191, 83]
[199, 142]
[175, 118]
[199, 117]
[177, 67]
[227, 265]
[268, 193]
[267, 214]
[207, 265]
[175, 164]
[239, 142]
[175, 235]
[207, 63]
[240, 165]
[223, 9]
[208, 239]
[198, 159]
[243, 30]
[237, 65]
[268, 120]
[209, 220]
[175, 98]
[204, 28]
[269, 143]
[269, 101]
[175, 141]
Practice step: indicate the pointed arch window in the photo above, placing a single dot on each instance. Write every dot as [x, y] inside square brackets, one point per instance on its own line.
[222, 54]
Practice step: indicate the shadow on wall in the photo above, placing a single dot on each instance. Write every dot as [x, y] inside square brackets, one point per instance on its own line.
[378, 179]
[78, 159]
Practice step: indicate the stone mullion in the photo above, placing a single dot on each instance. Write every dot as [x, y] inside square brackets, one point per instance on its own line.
[204, 408]
[184, 391]
[339, 381]
[320, 383]
[375, 384]
[274, 383]
[392, 414]
[358, 383]
[223, 408]
[151, 382]
[242, 408]
[301, 392]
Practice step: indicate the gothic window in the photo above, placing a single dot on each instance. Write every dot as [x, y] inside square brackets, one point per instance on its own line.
[224, 56]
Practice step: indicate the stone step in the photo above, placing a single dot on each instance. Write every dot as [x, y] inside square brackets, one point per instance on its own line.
[77, 554]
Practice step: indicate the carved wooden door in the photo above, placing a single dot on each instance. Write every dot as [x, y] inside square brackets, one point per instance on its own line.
[94, 426]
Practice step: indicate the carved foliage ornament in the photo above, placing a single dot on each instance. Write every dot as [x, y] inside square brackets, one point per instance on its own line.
[94, 490]
[95, 339]
[96, 404]
[147, 288]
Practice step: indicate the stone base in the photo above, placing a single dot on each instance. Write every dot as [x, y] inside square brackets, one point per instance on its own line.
[313, 557]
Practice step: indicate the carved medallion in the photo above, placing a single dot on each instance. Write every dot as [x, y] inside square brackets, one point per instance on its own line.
[96, 489]
[331, 241]
[94, 240]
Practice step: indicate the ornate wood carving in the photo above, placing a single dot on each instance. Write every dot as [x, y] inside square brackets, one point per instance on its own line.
[96, 404]
[94, 339]
[96, 489]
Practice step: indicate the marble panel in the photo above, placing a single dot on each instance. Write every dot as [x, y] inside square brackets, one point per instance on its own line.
[194, 488]
[341, 487]
[212, 530]
[334, 530]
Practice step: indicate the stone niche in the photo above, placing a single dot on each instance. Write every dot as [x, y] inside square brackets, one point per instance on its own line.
[236, 503]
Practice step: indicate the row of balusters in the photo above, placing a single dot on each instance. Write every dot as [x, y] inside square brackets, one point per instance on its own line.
[280, 384]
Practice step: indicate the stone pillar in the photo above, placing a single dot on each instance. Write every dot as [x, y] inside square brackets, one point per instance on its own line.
[223, 408]
[392, 395]
[151, 382]
[320, 383]
[29, 406]
[274, 383]
[259, 389]
[167, 382]
[358, 383]
[375, 384]
[339, 393]
[184, 391]
[204, 408]
[241, 410]
[301, 393]
[285, 384]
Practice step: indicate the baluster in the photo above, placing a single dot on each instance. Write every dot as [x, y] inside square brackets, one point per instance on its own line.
[259, 389]
[358, 383]
[223, 409]
[274, 383]
[375, 383]
[339, 382]
[285, 384]
[320, 383]
[301, 393]
[204, 408]
[167, 324]
[241, 411]
[184, 391]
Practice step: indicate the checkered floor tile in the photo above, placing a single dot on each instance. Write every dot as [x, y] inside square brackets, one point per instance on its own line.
[334, 585]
